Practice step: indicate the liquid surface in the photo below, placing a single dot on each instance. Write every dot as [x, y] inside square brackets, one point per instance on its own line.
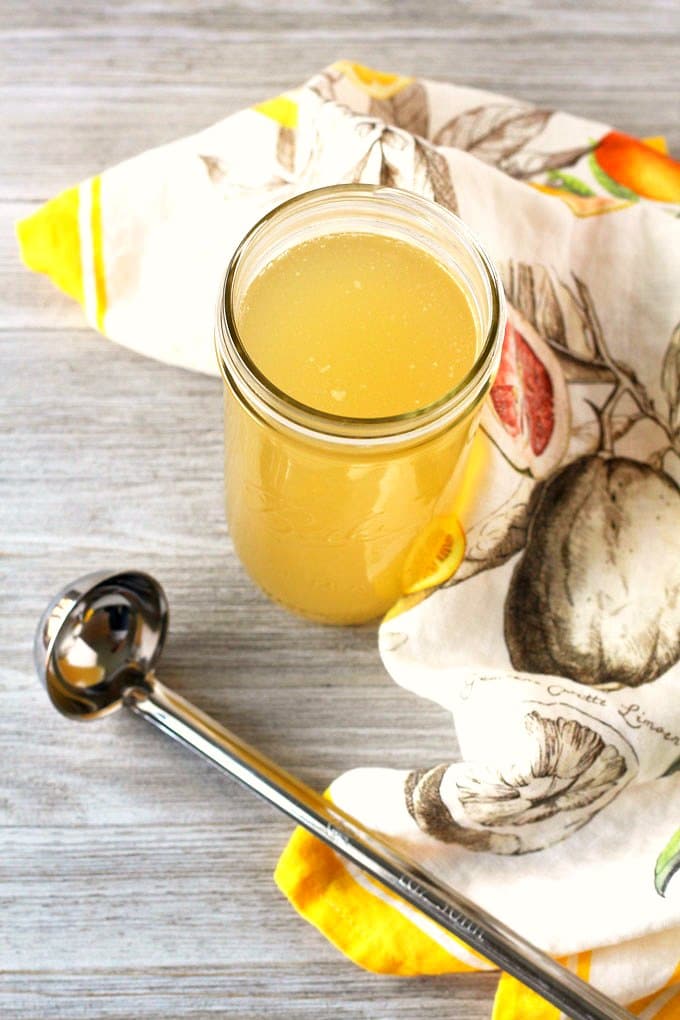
[359, 325]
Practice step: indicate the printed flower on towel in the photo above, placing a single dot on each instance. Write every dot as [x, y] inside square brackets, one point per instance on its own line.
[564, 773]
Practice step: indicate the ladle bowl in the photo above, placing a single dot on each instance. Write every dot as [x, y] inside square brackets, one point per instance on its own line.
[100, 636]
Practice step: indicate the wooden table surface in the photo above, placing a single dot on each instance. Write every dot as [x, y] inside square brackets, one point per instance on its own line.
[135, 882]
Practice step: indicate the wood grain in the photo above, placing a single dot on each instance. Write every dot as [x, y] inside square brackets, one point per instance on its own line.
[134, 882]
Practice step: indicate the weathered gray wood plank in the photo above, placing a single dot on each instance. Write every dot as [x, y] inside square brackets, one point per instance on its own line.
[227, 990]
[73, 121]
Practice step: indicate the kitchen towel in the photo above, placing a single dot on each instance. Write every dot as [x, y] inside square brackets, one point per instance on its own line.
[555, 644]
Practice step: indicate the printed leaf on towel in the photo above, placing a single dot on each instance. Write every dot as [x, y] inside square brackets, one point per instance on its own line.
[427, 173]
[431, 164]
[215, 167]
[389, 175]
[558, 314]
[357, 172]
[547, 314]
[491, 541]
[530, 164]
[667, 864]
[530, 289]
[407, 109]
[670, 377]
[227, 181]
[323, 84]
[567, 182]
[285, 149]
[494, 132]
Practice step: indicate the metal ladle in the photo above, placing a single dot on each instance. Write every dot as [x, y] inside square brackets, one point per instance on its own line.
[95, 650]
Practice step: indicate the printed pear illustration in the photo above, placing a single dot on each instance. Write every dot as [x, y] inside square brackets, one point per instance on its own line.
[596, 593]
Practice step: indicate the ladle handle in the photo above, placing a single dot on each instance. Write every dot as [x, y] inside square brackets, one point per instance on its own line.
[483, 933]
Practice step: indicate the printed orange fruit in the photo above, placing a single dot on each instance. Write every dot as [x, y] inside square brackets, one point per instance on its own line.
[640, 167]
[435, 555]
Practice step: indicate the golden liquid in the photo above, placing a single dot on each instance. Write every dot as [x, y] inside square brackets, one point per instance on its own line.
[359, 325]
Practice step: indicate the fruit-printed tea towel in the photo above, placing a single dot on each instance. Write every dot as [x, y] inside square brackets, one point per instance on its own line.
[555, 643]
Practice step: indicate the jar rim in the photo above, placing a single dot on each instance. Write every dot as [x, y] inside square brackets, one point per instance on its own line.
[252, 385]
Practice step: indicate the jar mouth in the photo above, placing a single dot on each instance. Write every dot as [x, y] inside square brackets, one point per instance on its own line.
[255, 388]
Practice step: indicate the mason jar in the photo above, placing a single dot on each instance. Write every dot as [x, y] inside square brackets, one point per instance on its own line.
[325, 510]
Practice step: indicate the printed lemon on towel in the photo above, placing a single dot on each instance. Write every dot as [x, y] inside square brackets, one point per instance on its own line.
[435, 555]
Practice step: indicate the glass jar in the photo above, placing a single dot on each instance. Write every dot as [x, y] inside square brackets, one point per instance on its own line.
[323, 510]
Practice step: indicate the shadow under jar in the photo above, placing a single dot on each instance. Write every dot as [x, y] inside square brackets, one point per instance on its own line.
[324, 506]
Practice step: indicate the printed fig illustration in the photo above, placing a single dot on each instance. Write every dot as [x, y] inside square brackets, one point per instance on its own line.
[528, 414]
[596, 594]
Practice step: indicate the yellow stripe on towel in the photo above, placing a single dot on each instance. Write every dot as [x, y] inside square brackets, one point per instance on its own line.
[64, 239]
[663, 1004]
[373, 928]
[514, 1001]
[282, 109]
[98, 253]
[49, 242]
